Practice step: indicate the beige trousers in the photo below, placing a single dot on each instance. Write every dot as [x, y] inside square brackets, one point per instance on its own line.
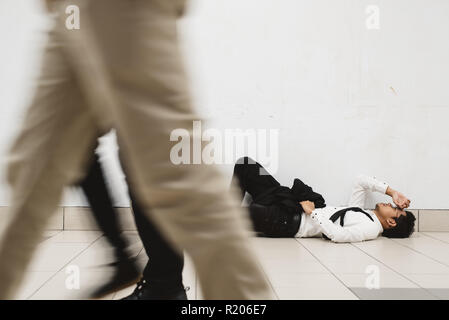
[123, 69]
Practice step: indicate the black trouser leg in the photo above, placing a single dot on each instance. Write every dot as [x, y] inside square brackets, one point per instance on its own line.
[165, 265]
[252, 177]
[97, 194]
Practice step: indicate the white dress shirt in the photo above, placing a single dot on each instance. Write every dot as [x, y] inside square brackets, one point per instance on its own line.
[357, 227]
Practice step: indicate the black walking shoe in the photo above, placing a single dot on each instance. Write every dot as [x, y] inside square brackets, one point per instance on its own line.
[126, 274]
[145, 291]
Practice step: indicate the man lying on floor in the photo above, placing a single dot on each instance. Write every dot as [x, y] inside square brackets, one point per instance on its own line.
[278, 211]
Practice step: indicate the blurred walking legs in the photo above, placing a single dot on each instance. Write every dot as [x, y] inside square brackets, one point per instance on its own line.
[130, 50]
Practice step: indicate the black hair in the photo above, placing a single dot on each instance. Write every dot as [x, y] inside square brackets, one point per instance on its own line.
[404, 226]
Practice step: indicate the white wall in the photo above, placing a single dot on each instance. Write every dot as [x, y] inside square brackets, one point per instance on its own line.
[346, 99]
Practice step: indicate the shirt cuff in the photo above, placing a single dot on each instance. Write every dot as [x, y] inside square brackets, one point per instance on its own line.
[325, 225]
[316, 217]
[380, 186]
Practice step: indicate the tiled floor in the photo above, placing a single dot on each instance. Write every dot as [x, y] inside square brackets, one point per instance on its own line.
[415, 268]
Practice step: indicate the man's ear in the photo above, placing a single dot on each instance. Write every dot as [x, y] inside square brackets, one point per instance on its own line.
[391, 222]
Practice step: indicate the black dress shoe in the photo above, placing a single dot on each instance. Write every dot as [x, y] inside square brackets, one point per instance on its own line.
[145, 291]
[126, 274]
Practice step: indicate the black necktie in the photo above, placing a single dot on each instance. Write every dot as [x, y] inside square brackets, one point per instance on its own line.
[341, 214]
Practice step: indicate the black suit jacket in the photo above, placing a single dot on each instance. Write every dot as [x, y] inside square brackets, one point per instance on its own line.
[289, 198]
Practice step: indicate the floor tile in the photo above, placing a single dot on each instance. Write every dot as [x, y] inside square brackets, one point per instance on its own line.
[54, 256]
[393, 294]
[293, 266]
[342, 257]
[443, 236]
[32, 282]
[414, 268]
[51, 233]
[436, 281]
[400, 258]
[269, 249]
[82, 218]
[386, 280]
[60, 287]
[328, 251]
[442, 294]
[75, 237]
[47, 235]
[100, 252]
[428, 246]
[310, 286]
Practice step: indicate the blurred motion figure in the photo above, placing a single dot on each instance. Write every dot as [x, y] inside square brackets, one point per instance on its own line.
[123, 69]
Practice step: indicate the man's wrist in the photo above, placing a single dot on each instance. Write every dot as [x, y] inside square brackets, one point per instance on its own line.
[389, 191]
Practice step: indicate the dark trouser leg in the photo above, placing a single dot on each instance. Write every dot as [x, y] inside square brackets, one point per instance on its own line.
[165, 265]
[97, 194]
[252, 177]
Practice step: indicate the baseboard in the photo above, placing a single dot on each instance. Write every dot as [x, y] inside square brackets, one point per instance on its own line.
[80, 218]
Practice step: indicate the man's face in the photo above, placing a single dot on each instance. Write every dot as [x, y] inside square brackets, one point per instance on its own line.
[387, 211]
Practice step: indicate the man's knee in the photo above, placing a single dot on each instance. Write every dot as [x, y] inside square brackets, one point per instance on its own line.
[242, 165]
[239, 165]
[245, 160]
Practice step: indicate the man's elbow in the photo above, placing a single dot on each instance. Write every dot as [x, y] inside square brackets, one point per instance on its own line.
[362, 181]
[360, 178]
[346, 239]
[339, 239]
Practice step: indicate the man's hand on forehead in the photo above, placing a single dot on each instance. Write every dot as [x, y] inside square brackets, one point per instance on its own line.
[400, 200]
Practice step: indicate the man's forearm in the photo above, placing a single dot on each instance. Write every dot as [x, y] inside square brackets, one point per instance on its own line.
[389, 191]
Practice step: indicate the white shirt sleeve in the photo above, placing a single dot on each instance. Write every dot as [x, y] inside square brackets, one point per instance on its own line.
[362, 186]
[337, 233]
